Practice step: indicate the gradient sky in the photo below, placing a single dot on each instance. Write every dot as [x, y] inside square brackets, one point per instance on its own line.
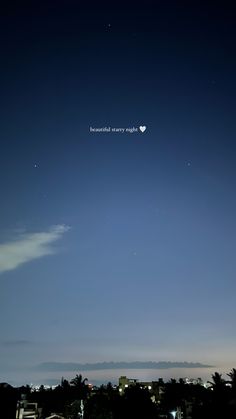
[117, 247]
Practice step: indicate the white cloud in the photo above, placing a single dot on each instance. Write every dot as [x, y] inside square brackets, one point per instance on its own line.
[29, 246]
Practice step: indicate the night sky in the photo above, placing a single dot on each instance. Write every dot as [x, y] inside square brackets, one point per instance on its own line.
[117, 246]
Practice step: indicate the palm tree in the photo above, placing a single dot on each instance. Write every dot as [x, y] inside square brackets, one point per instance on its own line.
[78, 380]
[219, 397]
[232, 376]
[80, 386]
[218, 383]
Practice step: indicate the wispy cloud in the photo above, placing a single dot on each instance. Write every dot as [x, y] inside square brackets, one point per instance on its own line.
[29, 246]
[70, 366]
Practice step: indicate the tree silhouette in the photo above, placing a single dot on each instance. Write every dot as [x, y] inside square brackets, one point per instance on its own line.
[65, 384]
[232, 375]
[81, 389]
[216, 402]
[218, 384]
[232, 401]
[219, 397]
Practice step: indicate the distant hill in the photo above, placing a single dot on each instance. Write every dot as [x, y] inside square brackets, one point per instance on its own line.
[73, 366]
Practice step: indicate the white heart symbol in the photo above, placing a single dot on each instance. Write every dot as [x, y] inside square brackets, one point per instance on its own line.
[142, 128]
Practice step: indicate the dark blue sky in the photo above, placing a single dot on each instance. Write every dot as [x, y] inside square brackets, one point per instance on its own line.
[117, 246]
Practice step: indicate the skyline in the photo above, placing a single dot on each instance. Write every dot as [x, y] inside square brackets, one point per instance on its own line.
[117, 246]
